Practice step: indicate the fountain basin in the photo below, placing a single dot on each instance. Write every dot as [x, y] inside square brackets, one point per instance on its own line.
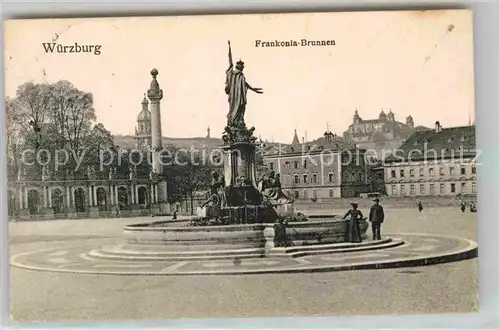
[318, 230]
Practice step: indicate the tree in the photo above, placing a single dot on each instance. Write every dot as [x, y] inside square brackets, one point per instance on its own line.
[54, 117]
[190, 173]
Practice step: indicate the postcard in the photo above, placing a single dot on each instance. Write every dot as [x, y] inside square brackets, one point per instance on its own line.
[229, 166]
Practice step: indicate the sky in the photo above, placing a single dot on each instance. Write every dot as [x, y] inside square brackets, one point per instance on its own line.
[417, 63]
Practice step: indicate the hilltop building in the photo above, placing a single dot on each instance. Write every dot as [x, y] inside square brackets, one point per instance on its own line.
[382, 135]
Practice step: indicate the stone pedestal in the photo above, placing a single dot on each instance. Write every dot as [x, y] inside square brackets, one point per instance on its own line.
[240, 175]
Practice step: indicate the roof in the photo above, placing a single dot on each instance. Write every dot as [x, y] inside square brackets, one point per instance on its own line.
[332, 142]
[145, 114]
[446, 143]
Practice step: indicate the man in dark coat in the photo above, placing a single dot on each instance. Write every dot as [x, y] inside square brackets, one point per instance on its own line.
[376, 218]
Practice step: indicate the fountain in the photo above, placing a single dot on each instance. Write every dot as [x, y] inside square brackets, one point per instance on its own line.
[240, 218]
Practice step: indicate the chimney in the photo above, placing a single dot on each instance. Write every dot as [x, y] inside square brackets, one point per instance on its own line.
[438, 127]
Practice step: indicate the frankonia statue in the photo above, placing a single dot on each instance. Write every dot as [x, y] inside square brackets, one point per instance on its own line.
[236, 89]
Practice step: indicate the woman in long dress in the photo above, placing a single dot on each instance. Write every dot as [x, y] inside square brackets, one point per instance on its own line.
[353, 230]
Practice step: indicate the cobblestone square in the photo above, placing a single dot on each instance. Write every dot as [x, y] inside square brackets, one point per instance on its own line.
[58, 297]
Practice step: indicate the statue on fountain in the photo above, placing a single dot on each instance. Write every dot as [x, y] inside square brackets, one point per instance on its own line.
[270, 188]
[236, 88]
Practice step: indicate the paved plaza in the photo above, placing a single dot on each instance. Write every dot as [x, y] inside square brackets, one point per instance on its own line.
[58, 296]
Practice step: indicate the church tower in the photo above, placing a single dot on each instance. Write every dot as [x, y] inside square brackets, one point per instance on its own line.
[143, 129]
[208, 132]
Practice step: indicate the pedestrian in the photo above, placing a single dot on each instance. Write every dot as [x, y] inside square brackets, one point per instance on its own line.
[376, 218]
[420, 206]
[174, 217]
[462, 207]
[353, 230]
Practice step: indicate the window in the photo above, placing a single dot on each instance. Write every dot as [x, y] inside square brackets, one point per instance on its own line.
[452, 187]
[393, 174]
[473, 169]
[452, 171]
[431, 171]
[315, 194]
[315, 178]
[271, 166]
[304, 163]
[330, 177]
[394, 189]
[412, 189]
[296, 179]
[473, 187]
[441, 188]
[287, 164]
[330, 193]
[360, 177]
[463, 187]
[441, 171]
[402, 189]
[432, 189]
[296, 164]
[306, 194]
[421, 172]
[296, 193]
[304, 178]
[402, 173]
[462, 170]
[412, 173]
[422, 189]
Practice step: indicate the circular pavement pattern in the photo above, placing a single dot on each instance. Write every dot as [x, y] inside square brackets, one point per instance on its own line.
[417, 250]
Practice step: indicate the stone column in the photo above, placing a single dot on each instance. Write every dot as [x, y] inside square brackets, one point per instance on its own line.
[44, 190]
[68, 200]
[132, 194]
[89, 195]
[110, 196]
[20, 192]
[26, 197]
[136, 193]
[156, 193]
[152, 194]
[94, 189]
[116, 194]
[49, 190]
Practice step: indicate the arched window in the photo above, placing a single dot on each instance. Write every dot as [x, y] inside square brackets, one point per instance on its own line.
[412, 173]
[421, 172]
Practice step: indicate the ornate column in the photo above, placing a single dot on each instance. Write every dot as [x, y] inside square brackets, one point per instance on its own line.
[156, 193]
[136, 193]
[152, 194]
[111, 195]
[155, 94]
[116, 195]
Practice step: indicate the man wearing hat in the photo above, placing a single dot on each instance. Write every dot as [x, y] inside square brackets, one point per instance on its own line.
[376, 218]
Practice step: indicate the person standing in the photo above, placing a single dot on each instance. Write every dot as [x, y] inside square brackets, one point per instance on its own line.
[376, 218]
[420, 206]
[353, 230]
[462, 206]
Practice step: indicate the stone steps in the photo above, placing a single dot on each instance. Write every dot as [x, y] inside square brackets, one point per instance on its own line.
[131, 253]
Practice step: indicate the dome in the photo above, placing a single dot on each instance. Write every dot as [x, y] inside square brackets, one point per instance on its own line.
[144, 115]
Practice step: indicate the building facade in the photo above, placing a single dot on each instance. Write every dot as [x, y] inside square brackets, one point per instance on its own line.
[321, 170]
[434, 162]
